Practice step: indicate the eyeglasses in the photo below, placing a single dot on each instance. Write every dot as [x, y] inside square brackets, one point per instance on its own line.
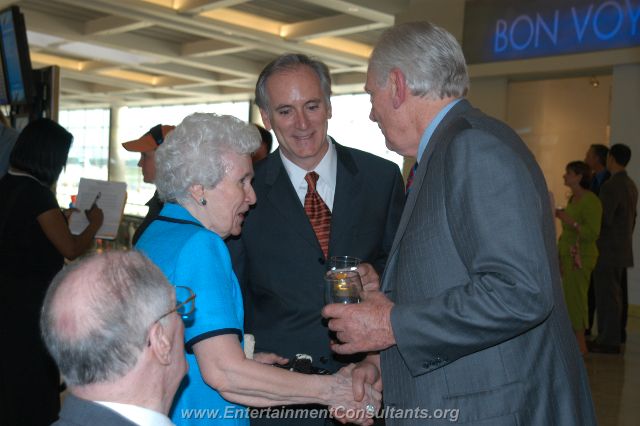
[185, 303]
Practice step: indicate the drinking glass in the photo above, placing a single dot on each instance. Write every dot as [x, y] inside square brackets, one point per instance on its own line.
[342, 286]
[343, 263]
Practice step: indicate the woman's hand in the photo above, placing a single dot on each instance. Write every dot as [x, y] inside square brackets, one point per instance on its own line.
[270, 358]
[344, 407]
[564, 217]
[95, 216]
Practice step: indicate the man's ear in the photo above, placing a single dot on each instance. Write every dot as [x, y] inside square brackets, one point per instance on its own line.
[160, 343]
[398, 87]
[197, 192]
[265, 119]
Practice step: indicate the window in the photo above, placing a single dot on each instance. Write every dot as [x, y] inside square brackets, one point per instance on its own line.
[89, 154]
[350, 126]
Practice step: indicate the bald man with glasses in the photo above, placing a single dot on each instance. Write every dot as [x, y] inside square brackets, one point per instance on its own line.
[113, 324]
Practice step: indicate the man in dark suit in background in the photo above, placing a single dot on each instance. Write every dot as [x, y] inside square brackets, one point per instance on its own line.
[619, 197]
[471, 318]
[280, 257]
[596, 159]
[110, 323]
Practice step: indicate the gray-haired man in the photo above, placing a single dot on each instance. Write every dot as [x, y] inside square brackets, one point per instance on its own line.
[470, 318]
[111, 325]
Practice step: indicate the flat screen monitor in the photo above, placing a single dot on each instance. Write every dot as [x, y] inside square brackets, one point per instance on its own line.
[4, 96]
[15, 56]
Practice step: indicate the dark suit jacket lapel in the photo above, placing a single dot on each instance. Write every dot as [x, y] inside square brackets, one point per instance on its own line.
[343, 218]
[441, 132]
[283, 197]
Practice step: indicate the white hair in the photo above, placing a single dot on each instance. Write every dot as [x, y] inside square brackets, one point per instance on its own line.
[430, 58]
[193, 153]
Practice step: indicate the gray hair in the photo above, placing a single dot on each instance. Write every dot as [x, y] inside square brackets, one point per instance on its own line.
[430, 58]
[96, 331]
[193, 153]
[289, 62]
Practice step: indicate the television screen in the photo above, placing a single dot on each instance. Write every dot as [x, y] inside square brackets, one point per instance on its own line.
[15, 55]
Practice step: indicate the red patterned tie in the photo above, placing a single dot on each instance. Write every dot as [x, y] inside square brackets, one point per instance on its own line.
[318, 212]
[410, 177]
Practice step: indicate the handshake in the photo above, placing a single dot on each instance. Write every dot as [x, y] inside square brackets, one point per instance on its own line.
[357, 393]
[353, 394]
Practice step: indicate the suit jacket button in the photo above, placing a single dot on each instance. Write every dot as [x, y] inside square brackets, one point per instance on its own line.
[323, 359]
[321, 260]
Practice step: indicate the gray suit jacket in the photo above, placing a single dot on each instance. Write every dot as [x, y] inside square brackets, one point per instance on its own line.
[278, 259]
[80, 412]
[480, 322]
[619, 197]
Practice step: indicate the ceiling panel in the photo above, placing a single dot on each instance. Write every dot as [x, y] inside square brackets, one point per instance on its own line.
[142, 52]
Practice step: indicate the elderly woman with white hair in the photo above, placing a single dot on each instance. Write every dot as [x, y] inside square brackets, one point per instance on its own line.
[204, 174]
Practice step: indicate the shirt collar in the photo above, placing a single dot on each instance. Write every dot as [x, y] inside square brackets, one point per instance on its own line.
[326, 169]
[139, 415]
[601, 174]
[176, 211]
[426, 136]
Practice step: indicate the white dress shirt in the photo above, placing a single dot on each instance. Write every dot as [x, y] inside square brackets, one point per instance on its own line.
[327, 169]
[138, 415]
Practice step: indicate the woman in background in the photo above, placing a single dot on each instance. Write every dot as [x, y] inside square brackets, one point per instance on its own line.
[34, 240]
[577, 245]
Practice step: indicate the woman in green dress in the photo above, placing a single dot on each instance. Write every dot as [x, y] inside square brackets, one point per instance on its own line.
[577, 245]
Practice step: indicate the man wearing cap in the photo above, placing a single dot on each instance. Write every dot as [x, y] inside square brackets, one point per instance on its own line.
[146, 145]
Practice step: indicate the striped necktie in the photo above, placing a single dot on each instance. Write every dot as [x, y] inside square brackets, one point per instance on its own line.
[410, 177]
[318, 212]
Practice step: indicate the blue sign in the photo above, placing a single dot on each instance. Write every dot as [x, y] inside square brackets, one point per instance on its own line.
[498, 30]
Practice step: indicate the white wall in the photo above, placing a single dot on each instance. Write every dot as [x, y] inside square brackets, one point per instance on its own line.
[490, 96]
[558, 120]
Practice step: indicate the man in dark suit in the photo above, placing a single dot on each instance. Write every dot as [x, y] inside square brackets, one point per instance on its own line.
[619, 197]
[471, 319]
[280, 258]
[596, 159]
[110, 322]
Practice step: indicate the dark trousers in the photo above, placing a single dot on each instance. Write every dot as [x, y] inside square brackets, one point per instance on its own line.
[608, 287]
[591, 299]
[625, 306]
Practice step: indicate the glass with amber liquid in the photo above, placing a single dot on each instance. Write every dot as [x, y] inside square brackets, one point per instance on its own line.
[342, 286]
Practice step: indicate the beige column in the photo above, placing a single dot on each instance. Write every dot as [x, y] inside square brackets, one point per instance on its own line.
[116, 168]
[254, 114]
[490, 95]
[625, 128]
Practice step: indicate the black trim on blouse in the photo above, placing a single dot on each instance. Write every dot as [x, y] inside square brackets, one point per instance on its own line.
[189, 345]
[182, 221]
